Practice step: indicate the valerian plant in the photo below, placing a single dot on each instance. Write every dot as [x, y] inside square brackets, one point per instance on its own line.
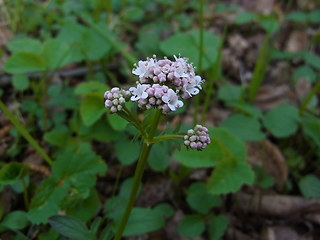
[162, 85]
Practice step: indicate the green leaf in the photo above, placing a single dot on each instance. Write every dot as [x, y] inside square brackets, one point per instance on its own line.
[91, 109]
[297, 16]
[229, 176]
[56, 53]
[304, 72]
[117, 122]
[309, 186]
[90, 87]
[133, 14]
[159, 157]
[164, 209]
[24, 62]
[85, 209]
[102, 131]
[282, 121]
[229, 93]
[311, 128]
[218, 226]
[191, 226]
[246, 128]
[312, 59]
[314, 16]
[70, 227]
[127, 151]
[15, 220]
[12, 172]
[190, 47]
[245, 17]
[57, 137]
[143, 220]
[269, 24]
[20, 82]
[200, 199]
[25, 45]
[92, 39]
[246, 109]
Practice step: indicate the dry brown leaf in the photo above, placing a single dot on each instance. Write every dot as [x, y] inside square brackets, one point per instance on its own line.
[269, 157]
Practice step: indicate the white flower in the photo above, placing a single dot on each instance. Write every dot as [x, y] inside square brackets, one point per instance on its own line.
[193, 85]
[172, 100]
[181, 68]
[143, 68]
[139, 92]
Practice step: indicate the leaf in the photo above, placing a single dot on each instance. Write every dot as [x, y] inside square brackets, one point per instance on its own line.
[245, 17]
[311, 128]
[117, 122]
[164, 209]
[309, 186]
[159, 157]
[24, 62]
[14, 220]
[133, 14]
[25, 45]
[70, 227]
[90, 87]
[246, 109]
[304, 72]
[312, 59]
[246, 128]
[229, 93]
[297, 16]
[91, 109]
[282, 121]
[190, 47]
[229, 176]
[191, 226]
[57, 137]
[200, 199]
[127, 151]
[218, 226]
[20, 82]
[56, 53]
[143, 220]
[314, 16]
[12, 172]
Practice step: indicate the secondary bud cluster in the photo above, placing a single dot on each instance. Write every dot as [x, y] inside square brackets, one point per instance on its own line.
[115, 99]
[197, 138]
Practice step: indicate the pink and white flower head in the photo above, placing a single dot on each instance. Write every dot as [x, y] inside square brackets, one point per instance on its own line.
[115, 99]
[197, 138]
[171, 99]
[139, 92]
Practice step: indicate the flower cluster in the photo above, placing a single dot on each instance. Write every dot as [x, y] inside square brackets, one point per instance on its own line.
[197, 138]
[161, 83]
[115, 99]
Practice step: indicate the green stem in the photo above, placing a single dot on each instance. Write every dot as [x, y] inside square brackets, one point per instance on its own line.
[23, 131]
[197, 98]
[43, 99]
[25, 193]
[306, 101]
[146, 148]
[166, 137]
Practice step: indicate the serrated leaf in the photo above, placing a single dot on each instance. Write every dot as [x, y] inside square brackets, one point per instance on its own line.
[15, 220]
[20, 82]
[218, 225]
[117, 122]
[309, 186]
[282, 121]
[70, 227]
[89, 87]
[190, 47]
[229, 176]
[57, 137]
[191, 226]
[127, 151]
[200, 199]
[56, 53]
[12, 172]
[25, 45]
[246, 128]
[143, 220]
[24, 62]
[229, 93]
[91, 109]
